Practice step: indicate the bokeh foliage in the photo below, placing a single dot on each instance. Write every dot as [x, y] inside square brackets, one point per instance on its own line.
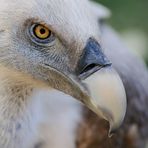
[128, 13]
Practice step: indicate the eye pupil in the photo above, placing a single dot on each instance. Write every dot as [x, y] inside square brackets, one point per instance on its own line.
[42, 31]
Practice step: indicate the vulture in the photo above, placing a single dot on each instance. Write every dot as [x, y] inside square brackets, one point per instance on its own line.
[66, 79]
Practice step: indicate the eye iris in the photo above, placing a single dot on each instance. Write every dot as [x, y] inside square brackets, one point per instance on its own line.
[41, 32]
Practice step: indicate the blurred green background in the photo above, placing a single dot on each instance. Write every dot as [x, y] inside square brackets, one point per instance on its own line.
[130, 18]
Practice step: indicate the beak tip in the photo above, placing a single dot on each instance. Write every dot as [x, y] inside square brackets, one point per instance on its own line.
[112, 128]
[111, 132]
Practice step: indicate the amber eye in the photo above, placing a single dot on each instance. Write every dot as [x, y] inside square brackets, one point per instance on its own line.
[41, 32]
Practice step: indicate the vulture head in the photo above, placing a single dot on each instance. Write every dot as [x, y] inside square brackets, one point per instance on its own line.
[57, 42]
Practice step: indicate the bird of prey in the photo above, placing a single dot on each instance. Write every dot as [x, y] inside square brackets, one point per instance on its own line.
[50, 50]
[51, 60]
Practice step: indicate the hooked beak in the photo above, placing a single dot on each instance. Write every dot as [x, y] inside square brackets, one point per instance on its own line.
[96, 85]
[104, 84]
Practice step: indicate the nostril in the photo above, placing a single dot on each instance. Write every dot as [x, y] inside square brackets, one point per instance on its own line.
[89, 68]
